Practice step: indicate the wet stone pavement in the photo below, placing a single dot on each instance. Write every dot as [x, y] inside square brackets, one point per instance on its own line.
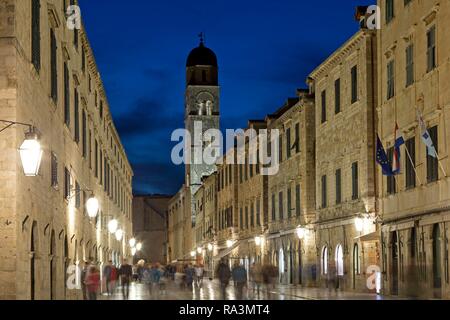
[210, 290]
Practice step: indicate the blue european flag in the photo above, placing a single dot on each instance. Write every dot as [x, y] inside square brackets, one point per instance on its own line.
[382, 159]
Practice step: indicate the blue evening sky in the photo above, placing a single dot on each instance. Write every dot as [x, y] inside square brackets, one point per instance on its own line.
[265, 50]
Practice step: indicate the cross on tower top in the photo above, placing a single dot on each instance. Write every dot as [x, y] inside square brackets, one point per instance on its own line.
[202, 38]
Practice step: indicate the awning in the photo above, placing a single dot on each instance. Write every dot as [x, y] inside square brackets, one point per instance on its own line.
[371, 237]
[227, 251]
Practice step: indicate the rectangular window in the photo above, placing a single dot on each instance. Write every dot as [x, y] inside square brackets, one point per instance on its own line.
[67, 185]
[337, 96]
[252, 216]
[101, 109]
[241, 218]
[431, 49]
[288, 143]
[83, 59]
[390, 79]
[432, 162]
[258, 212]
[355, 183]
[53, 66]
[297, 137]
[280, 206]
[410, 163]
[338, 187]
[391, 187]
[77, 195]
[77, 116]
[84, 133]
[390, 13]
[75, 38]
[298, 208]
[101, 167]
[354, 84]
[36, 34]
[66, 95]
[324, 106]
[280, 146]
[246, 217]
[324, 192]
[90, 149]
[96, 159]
[289, 202]
[409, 65]
[274, 217]
[54, 170]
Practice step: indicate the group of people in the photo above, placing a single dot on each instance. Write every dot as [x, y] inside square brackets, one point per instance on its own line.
[192, 276]
[153, 275]
[90, 279]
[260, 275]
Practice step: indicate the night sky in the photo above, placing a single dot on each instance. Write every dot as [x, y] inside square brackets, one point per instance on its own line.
[265, 50]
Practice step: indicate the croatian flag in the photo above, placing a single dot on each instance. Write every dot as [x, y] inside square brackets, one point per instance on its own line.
[399, 141]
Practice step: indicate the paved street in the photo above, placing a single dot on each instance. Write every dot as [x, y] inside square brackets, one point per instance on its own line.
[211, 291]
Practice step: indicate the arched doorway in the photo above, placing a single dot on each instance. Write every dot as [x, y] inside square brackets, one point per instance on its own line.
[33, 249]
[53, 267]
[300, 264]
[324, 261]
[281, 264]
[339, 259]
[394, 257]
[437, 272]
[291, 266]
[356, 264]
[65, 264]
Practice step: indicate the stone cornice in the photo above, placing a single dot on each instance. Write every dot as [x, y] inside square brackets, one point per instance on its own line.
[340, 54]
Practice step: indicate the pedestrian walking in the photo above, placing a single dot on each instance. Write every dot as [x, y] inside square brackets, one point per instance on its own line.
[125, 273]
[83, 279]
[146, 278]
[93, 282]
[107, 272]
[240, 280]
[199, 275]
[224, 275]
[189, 273]
[256, 279]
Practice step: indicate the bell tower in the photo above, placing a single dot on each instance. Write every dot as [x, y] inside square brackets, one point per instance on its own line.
[201, 106]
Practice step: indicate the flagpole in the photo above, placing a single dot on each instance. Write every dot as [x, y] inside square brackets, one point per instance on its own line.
[440, 164]
[413, 165]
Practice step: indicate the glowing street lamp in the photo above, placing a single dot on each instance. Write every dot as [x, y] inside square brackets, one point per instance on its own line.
[359, 224]
[132, 242]
[31, 154]
[113, 225]
[199, 250]
[301, 232]
[92, 206]
[229, 243]
[119, 234]
[193, 254]
[258, 241]
[139, 246]
[210, 247]
[133, 251]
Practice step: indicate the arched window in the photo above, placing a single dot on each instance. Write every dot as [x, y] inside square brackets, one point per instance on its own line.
[356, 260]
[33, 249]
[339, 261]
[437, 274]
[324, 260]
[53, 266]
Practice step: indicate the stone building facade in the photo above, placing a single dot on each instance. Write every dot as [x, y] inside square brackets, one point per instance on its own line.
[414, 71]
[49, 79]
[345, 100]
[291, 194]
[180, 229]
[150, 227]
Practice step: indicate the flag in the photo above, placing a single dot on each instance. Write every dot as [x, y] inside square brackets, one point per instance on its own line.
[399, 141]
[382, 159]
[426, 137]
